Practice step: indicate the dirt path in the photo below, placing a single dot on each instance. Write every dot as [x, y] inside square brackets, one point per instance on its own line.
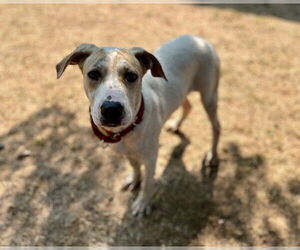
[67, 191]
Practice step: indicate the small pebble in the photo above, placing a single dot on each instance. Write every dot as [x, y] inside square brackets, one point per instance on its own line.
[221, 221]
[1, 146]
[24, 154]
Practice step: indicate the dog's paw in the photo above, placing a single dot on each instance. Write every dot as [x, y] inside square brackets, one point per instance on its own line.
[131, 184]
[141, 206]
[172, 126]
[210, 166]
[210, 161]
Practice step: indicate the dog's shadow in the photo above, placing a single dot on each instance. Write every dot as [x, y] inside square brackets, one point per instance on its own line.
[57, 197]
[183, 202]
[63, 194]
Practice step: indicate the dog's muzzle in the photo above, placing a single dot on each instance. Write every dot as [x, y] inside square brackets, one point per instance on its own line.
[112, 113]
[111, 137]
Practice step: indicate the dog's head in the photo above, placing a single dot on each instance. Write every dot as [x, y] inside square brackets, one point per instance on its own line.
[112, 81]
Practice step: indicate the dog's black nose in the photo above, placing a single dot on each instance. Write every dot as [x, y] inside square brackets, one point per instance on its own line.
[112, 113]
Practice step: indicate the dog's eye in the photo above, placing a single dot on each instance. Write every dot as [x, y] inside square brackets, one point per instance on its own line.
[130, 76]
[94, 75]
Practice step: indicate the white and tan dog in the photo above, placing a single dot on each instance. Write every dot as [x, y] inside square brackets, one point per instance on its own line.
[129, 104]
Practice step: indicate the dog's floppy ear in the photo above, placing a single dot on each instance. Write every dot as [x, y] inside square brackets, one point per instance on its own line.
[148, 61]
[76, 57]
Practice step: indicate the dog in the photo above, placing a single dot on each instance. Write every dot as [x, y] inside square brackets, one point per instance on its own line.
[133, 92]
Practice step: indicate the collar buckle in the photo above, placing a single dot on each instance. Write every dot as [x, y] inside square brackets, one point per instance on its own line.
[114, 136]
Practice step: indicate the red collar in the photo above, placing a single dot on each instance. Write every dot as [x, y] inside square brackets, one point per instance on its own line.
[116, 137]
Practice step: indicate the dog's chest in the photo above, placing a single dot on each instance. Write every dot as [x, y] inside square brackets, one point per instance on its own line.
[126, 147]
[120, 148]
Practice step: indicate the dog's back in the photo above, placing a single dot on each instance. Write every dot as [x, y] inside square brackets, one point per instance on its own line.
[190, 63]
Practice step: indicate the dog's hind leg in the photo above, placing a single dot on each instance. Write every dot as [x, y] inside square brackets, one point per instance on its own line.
[210, 104]
[174, 125]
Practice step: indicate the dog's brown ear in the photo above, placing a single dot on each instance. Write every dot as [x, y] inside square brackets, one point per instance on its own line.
[148, 61]
[76, 57]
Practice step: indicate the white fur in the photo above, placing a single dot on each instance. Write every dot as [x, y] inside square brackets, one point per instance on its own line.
[189, 63]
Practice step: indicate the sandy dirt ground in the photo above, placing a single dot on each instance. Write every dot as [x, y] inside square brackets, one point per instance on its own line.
[67, 190]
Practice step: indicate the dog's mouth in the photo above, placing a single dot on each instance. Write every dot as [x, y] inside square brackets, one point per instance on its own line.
[111, 122]
[111, 125]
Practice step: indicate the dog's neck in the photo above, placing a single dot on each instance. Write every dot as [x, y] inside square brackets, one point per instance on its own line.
[113, 137]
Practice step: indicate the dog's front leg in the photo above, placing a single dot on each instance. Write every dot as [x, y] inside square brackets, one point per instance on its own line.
[133, 181]
[142, 204]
